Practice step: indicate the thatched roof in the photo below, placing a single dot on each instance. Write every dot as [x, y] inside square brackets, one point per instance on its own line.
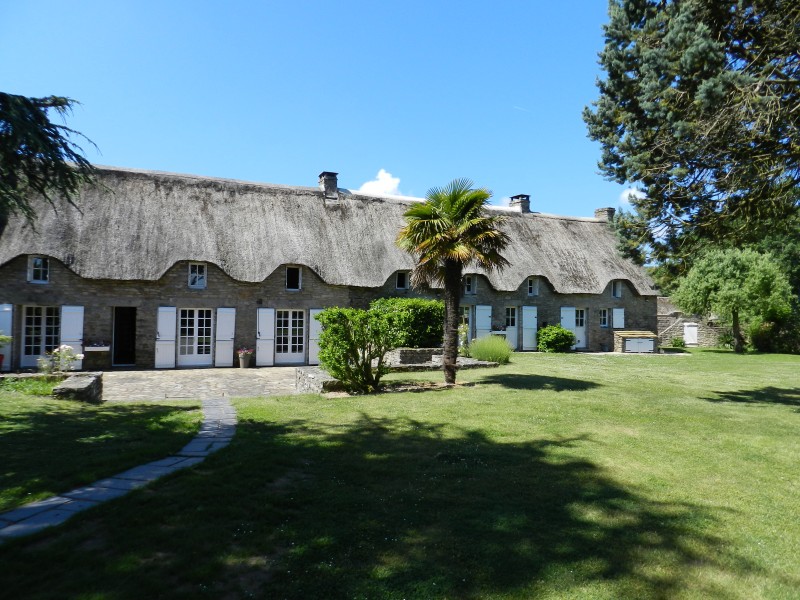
[137, 224]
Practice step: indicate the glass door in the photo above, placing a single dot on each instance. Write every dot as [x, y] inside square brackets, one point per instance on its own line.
[290, 335]
[41, 333]
[195, 344]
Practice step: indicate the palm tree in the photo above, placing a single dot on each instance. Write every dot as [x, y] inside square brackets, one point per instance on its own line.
[446, 233]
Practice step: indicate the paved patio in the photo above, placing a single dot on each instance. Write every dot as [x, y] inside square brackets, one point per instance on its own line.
[122, 386]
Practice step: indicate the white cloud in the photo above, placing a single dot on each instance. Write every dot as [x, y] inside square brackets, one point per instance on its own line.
[383, 184]
[624, 197]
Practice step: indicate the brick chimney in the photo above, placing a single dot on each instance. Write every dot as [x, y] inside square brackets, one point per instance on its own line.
[604, 214]
[329, 184]
[523, 201]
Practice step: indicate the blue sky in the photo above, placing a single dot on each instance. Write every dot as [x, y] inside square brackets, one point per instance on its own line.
[279, 91]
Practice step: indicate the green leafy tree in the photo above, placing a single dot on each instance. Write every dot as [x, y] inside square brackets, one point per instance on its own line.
[699, 107]
[445, 234]
[736, 285]
[419, 322]
[36, 155]
[353, 345]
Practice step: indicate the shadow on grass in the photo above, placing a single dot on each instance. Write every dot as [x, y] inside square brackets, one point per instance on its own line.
[377, 508]
[765, 395]
[539, 382]
[46, 451]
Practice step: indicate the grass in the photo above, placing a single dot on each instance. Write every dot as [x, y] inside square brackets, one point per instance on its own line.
[557, 476]
[32, 386]
[50, 446]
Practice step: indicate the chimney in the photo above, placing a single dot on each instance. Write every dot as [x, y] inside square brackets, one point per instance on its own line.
[523, 201]
[329, 184]
[604, 214]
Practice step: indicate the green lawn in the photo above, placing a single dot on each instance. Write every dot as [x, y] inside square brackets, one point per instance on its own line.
[576, 476]
[50, 446]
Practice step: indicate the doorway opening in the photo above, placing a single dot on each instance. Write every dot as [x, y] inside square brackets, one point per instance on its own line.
[124, 342]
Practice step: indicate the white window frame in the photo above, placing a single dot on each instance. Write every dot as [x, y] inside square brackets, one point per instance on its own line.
[397, 285]
[511, 316]
[470, 285]
[198, 280]
[299, 279]
[616, 288]
[43, 271]
[580, 317]
[533, 286]
[604, 317]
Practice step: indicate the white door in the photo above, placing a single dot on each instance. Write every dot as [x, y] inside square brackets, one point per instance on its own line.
[580, 327]
[72, 331]
[530, 319]
[690, 334]
[6, 321]
[290, 336]
[265, 337]
[483, 320]
[165, 337]
[568, 319]
[223, 344]
[41, 333]
[511, 327]
[467, 319]
[195, 341]
[314, 329]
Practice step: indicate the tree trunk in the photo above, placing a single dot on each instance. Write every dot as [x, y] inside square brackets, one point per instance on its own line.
[738, 340]
[452, 302]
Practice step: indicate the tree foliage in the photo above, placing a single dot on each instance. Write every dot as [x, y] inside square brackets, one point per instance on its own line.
[445, 234]
[736, 285]
[419, 322]
[700, 107]
[351, 340]
[37, 155]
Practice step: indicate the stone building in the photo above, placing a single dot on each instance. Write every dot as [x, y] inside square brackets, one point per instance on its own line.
[163, 270]
[694, 330]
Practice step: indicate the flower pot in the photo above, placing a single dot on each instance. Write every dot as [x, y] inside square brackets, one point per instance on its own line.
[244, 360]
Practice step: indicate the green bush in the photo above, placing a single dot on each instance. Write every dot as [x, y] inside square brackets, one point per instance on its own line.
[554, 338]
[767, 336]
[420, 323]
[491, 348]
[678, 342]
[351, 339]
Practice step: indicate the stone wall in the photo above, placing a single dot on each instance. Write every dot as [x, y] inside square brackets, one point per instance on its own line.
[671, 326]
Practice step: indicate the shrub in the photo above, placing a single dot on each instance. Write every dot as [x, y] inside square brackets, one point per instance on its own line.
[725, 339]
[420, 323]
[554, 338]
[491, 348]
[351, 339]
[678, 342]
[767, 336]
[62, 358]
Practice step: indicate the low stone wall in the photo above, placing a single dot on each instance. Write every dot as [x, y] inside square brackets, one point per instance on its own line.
[621, 336]
[84, 387]
[314, 380]
[411, 356]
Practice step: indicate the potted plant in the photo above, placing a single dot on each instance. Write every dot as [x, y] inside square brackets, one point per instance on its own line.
[244, 357]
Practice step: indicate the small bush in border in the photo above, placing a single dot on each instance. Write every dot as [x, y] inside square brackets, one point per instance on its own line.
[554, 338]
[351, 339]
[678, 342]
[491, 348]
[62, 358]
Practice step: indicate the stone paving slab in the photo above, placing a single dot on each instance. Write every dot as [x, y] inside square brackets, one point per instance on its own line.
[219, 426]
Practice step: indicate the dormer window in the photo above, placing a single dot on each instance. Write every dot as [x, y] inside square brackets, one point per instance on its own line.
[401, 282]
[293, 278]
[533, 286]
[38, 269]
[470, 284]
[197, 276]
[616, 288]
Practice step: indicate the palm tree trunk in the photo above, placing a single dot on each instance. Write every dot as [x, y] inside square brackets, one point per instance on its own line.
[738, 339]
[452, 302]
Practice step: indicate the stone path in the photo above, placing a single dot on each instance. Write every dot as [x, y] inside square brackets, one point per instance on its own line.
[217, 430]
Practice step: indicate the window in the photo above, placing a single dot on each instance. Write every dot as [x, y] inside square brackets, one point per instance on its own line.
[197, 276]
[603, 317]
[580, 317]
[465, 310]
[533, 286]
[293, 278]
[402, 280]
[38, 269]
[511, 316]
[470, 284]
[616, 288]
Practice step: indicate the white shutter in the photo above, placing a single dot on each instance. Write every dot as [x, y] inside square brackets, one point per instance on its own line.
[223, 348]
[530, 315]
[314, 329]
[618, 318]
[265, 337]
[568, 318]
[483, 320]
[165, 337]
[72, 331]
[6, 323]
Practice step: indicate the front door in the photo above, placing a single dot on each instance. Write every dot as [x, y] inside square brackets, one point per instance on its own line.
[41, 333]
[580, 327]
[511, 326]
[690, 334]
[195, 344]
[123, 347]
[290, 335]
